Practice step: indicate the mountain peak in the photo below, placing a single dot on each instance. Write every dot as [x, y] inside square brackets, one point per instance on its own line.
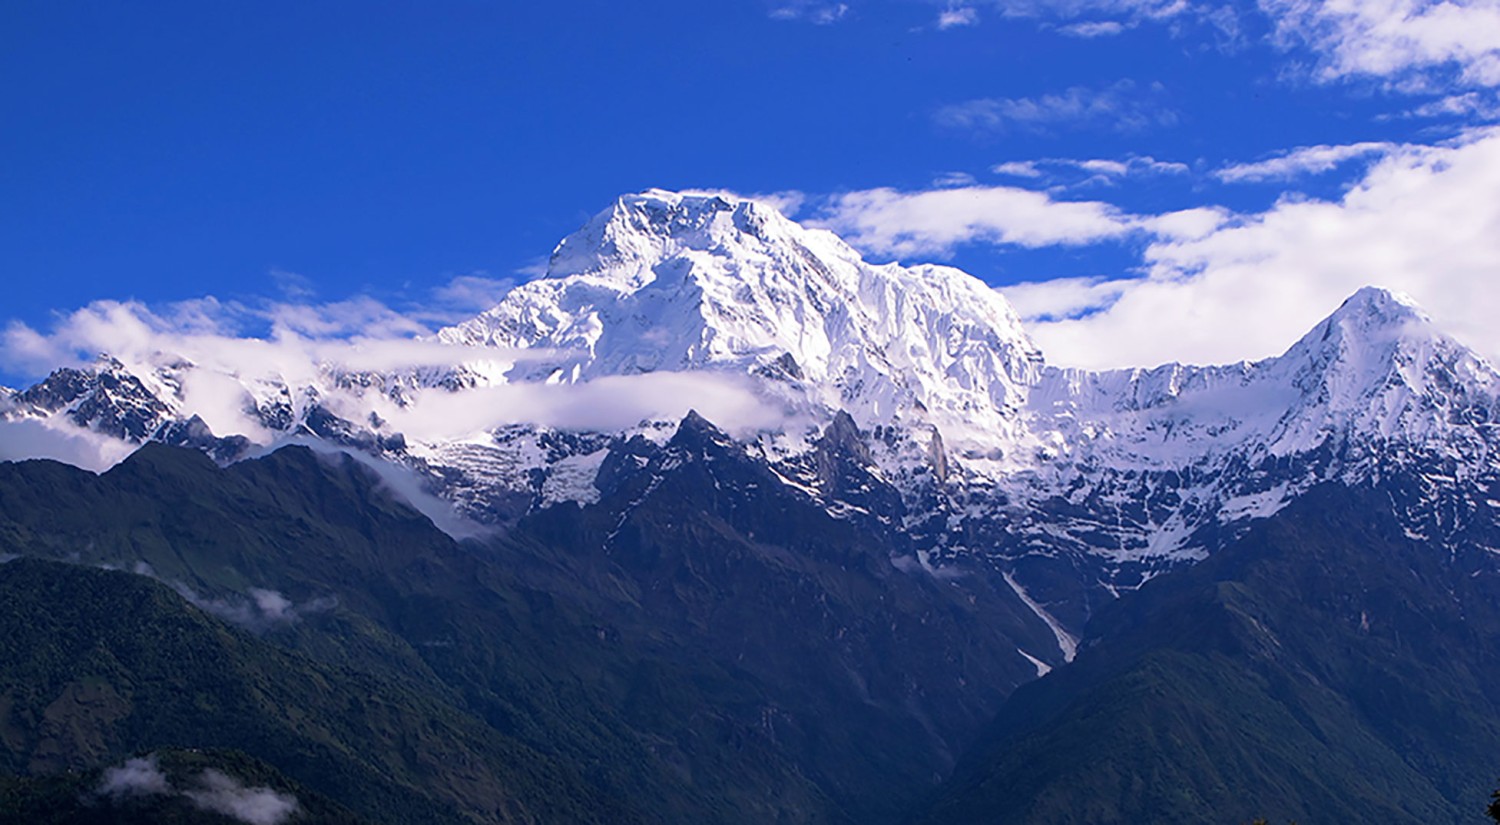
[1373, 307]
[1372, 328]
[1378, 365]
[665, 281]
[622, 242]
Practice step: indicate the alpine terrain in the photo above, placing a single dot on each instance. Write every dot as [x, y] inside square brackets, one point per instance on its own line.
[717, 521]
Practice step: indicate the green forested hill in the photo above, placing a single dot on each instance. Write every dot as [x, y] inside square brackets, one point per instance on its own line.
[737, 655]
[1326, 669]
[99, 663]
[393, 607]
[196, 786]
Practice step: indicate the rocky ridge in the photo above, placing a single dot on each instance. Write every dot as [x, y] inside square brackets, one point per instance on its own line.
[910, 397]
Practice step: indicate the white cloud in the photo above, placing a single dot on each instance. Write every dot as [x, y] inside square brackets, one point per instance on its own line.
[1401, 42]
[261, 610]
[1018, 169]
[1423, 220]
[1301, 161]
[225, 795]
[292, 285]
[1063, 297]
[1186, 224]
[1123, 106]
[788, 201]
[1127, 9]
[399, 481]
[934, 222]
[1476, 106]
[1106, 169]
[606, 404]
[214, 791]
[357, 334]
[60, 441]
[956, 16]
[1092, 29]
[811, 11]
[953, 180]
[141, 776]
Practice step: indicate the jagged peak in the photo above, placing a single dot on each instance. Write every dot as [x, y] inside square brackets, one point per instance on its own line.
[1373, 332]
[687, 281]
[644, 227]
[1374, 312]
[695, 432]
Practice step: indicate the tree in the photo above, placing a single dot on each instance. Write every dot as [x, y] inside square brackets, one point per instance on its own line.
[1494, 809]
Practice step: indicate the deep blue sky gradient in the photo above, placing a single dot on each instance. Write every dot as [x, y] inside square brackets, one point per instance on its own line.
[163, 151]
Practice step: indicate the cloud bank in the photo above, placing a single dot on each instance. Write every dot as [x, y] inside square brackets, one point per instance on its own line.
[1423, 220]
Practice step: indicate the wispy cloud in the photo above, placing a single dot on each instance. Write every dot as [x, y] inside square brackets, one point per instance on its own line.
[302, 339]
[1411, 45]
[890, 222]
[60, 441]
[1475, 107]
[1094, 28]
[1107, 169]
[259, 611]
[1124, 106]
[1063, 298]
[956, 16]
[473, 293]
[811, 11]
[1018, 169]
[954, 180]
[1120, 9]
[223, 794]
[1304, 160]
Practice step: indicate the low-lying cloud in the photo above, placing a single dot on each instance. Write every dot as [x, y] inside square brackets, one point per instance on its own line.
[260, 611]
[29, 439]
[212, 790]
[141, 776]
[221, 793]
[605, 404]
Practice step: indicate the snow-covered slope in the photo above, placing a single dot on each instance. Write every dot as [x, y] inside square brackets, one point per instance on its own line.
[909, 395]
[1139, 470]
[665, 281]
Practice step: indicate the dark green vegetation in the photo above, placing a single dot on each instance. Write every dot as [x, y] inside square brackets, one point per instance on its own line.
[699, 646]
[1327, 668]
[76, 798]
[702, 645]
[101, 663]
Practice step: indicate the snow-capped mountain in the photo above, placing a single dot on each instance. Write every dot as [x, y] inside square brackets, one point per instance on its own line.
[907, 395]
[662, 281]
[1138, 470]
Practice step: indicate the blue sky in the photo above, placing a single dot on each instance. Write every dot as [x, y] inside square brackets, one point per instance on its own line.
[1147, 179]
